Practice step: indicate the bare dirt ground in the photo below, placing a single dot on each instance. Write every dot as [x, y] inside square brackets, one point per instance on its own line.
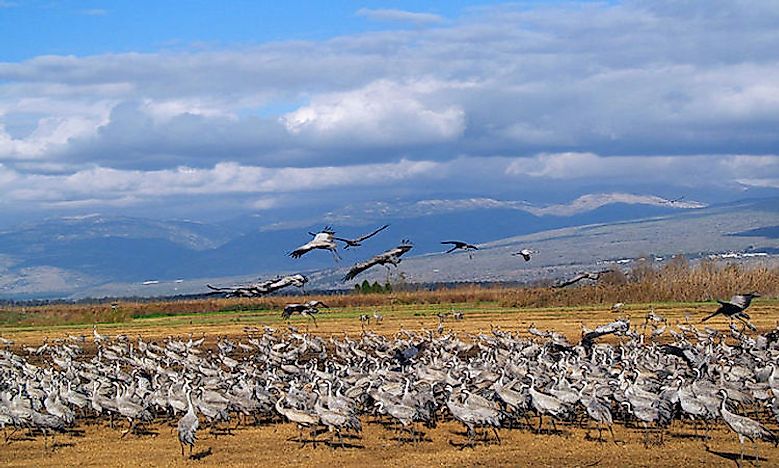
[266, 444]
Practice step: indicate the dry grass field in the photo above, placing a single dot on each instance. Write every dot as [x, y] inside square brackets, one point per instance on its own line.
[266, 444]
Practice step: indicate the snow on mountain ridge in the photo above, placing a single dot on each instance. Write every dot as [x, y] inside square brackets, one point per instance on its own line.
[581, 204]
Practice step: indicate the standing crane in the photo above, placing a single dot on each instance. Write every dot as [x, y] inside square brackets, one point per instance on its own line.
[187, 426]
[745, 427]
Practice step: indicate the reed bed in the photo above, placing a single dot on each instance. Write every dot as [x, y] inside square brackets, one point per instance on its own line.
[676, 281]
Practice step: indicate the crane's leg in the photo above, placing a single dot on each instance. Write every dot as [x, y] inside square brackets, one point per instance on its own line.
[741, 457]
[182, 448]
[129, 428]
[613, 437]
[540, 421]
[496, 434]
[747, 323]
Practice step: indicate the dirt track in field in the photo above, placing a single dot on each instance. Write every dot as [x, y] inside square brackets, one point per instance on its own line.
[266, 444]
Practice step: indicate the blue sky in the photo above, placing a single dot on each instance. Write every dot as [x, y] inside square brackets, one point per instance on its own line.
[32, 28]
[191, 108]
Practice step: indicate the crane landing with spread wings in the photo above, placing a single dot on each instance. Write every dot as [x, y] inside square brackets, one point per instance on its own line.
[390, 257]
[261, 288]
[324, 240]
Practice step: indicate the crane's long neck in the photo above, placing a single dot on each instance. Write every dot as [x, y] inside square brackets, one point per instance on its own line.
[190, 406]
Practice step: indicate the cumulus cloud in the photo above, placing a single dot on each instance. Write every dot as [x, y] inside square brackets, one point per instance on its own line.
[383, 112]
[563, 93]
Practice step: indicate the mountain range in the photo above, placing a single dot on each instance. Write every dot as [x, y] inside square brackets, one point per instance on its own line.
[101, 255]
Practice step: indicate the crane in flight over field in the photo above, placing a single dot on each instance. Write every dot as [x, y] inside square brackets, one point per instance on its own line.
[587, 275]
[525, 253]
[261, 287]
[460, 245]
[358, 241]
[323, 240]
[390, 257]
[309, 309]
[735, 308]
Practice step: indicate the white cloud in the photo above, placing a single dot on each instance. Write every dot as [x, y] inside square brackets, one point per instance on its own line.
[604, 93]
[399, 15]
[708, 170]
[383, 112]
[100, 185]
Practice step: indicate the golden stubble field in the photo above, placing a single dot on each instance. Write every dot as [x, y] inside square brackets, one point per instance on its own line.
[267, 444]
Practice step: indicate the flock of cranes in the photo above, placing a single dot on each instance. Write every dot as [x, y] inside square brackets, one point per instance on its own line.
[327, 240]
[488, 382]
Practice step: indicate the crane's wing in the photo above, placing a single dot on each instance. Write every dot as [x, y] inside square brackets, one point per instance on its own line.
[719, 311]
[571, 281]
[452, 249]
[368, 236]
[300, 251]
[739, 301]
[360, 267]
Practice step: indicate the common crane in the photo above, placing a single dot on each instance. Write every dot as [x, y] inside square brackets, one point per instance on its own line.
[261, 288]
[460, 245]
[300, 418]
[745, 427]
[587, 275]
[188, 424]
[525, 253]
[324, 240]
[735, 308]
[309, 309]
[390, 257]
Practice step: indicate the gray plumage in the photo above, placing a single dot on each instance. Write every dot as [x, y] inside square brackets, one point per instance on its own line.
[188, 424]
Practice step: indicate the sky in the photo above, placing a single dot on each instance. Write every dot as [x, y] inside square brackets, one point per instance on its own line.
[197, 109]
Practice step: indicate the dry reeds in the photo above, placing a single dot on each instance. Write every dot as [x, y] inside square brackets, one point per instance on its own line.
[676, 281]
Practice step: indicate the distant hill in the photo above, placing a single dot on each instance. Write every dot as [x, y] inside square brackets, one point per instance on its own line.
[561, 252]
[102, 255]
